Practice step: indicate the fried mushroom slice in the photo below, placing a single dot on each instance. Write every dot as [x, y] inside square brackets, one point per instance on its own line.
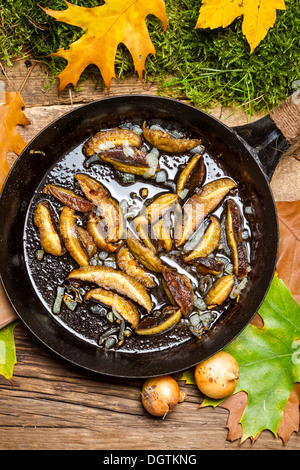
[140, 227]
[87, 241]
[130, 160]
[235, 240]
[107, 207]
[208, 243]
[119, 148]
[111, 138]
[94, 228]
[114, 280]
[44, 219]
[122, 306]
[129, 265]
[209, 266]
[68, 198]
[167, 142]
[158, 324]
[219, 291]
[143, 254]
[180, 288]
[192, 176]
[160, 206]
[198, 206]
[69, 234]
[162, 236]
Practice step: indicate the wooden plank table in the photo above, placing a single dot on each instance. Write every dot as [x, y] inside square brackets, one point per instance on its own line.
[50, 404]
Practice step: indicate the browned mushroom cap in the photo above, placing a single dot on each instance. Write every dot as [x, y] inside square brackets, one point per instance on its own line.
[87, 241]
[109, 139]
[136, 163]
[160, 206]
[140, 225]
[106, 205]
[209, 266]
[124, 307]
[92, 189]
[115, 280]
[129, 265]
[200, 205]
[180, 288]
[158, 324]
[68, 198]
[94, 228]
[167, 142]
[220, 290]
[44, 219]
[69, 234]
[192, 176]
[143, 254]
[162, 236]
[119, 148]
[208, 243]
[235, 241]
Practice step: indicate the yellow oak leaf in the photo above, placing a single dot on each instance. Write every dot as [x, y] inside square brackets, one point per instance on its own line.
[258, 16]
[11, 115]
[105, 27]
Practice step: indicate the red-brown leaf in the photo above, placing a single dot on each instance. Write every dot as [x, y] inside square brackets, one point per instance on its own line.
[288, 263]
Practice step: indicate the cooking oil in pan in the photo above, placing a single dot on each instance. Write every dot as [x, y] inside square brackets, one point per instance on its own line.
[132, 193]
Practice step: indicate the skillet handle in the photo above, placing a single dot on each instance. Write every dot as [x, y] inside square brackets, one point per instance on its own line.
[269, 138]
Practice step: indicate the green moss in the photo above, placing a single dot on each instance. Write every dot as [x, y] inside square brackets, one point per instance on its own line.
[206, 66]
[215, 65]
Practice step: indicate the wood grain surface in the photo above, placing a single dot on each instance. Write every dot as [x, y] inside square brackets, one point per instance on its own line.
[50, 404]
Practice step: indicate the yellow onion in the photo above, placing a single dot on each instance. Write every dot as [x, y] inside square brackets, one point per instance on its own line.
[160, 395]
[217, 377]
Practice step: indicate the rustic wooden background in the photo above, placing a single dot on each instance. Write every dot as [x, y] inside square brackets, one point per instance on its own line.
[51, 405]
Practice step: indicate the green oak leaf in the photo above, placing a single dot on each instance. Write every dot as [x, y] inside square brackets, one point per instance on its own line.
[269, 361]
[7, 350]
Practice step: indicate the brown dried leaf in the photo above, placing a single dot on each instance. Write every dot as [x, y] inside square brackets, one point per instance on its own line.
[288, 263]
[290, 419]
[237, 403]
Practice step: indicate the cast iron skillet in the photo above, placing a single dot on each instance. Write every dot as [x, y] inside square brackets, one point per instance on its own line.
[251, 167]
